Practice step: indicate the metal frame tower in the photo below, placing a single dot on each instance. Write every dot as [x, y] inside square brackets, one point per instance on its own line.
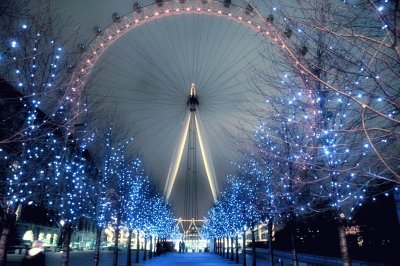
[192, 117]
[192, 134]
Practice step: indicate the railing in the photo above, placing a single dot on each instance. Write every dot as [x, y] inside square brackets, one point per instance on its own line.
[285, 258]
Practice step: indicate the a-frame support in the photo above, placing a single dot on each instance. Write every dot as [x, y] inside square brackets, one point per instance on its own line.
[192, 114]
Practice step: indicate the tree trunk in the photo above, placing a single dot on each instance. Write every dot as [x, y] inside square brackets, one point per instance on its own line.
[60, 240]
[344, 250]
[215, 243]
[396, 196]
[237, 249]
[116, 238]
[219, 246]
[151, 248]
[67, 241]
[137, 247]
[244, 248]
[97, 249]
[232, 248]
[155, 246]
[271, 248]
[293, 240]
[8, 223]
[253, 248]
[36, 234]
[129, 249]
[145, 248]
[223, 246]
[227, 247]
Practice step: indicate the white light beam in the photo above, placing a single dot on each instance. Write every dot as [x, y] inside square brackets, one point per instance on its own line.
[176, 160]
[205, 152]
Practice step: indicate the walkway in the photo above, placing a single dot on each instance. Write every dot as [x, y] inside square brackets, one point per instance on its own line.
[85, 258]
[189, 259]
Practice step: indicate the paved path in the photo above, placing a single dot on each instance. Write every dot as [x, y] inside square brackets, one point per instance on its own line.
[190, 259]
[85, 258]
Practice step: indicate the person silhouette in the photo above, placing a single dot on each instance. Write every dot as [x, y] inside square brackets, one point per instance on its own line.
[35, 256]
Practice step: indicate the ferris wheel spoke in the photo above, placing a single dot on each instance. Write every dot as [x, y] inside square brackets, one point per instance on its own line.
[158, 74]
[204, 58]
[151, 59]
[242, 55]
[118, 70]
[208, 67]
[163, 54]
[117, 88]
[229, 75]
[227, 52]
[176, 56]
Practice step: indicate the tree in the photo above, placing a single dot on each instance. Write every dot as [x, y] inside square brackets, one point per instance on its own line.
[333, 105]
[350, 51]
[236, 210]
[31, 60]
[120, 184]
[137, 202]
[72, 195]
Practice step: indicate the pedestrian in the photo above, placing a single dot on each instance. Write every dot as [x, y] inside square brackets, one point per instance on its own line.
[164, 247]
[35, 256]
[158, 248]
[180, 246]
[183, 247]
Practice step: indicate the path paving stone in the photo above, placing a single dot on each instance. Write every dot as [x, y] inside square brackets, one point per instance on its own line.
[85, 258]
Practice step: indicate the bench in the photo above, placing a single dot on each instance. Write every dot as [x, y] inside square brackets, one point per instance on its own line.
[18, 249]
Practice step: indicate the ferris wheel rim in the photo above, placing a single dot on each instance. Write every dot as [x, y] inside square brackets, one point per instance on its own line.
[82, 70]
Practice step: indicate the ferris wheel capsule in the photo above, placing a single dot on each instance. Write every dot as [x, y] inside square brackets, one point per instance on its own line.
[249, 9]
[270, 18]
[304, 50]
[227, 3]
[159, 2]
[81, 48]
[288, 32]
[97, 30]
[136, 7]
[115, 17]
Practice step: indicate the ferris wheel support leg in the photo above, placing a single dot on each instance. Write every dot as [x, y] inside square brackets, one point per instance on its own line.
[176, 159]
[205, 152]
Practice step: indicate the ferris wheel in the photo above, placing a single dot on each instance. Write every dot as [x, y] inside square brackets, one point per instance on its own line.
[143, 68]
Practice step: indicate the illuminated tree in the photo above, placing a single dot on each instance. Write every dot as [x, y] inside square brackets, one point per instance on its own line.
[281, 155]
[246, 179]
[123, 193]
[236, 210]
[239, 207]
[164, 219]
[120, 184]
[102, 215]
[153, 215]
[32, 64]
[346, 51]
[333, 113]
[72, 196]
[136, 203]
[214, 225]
